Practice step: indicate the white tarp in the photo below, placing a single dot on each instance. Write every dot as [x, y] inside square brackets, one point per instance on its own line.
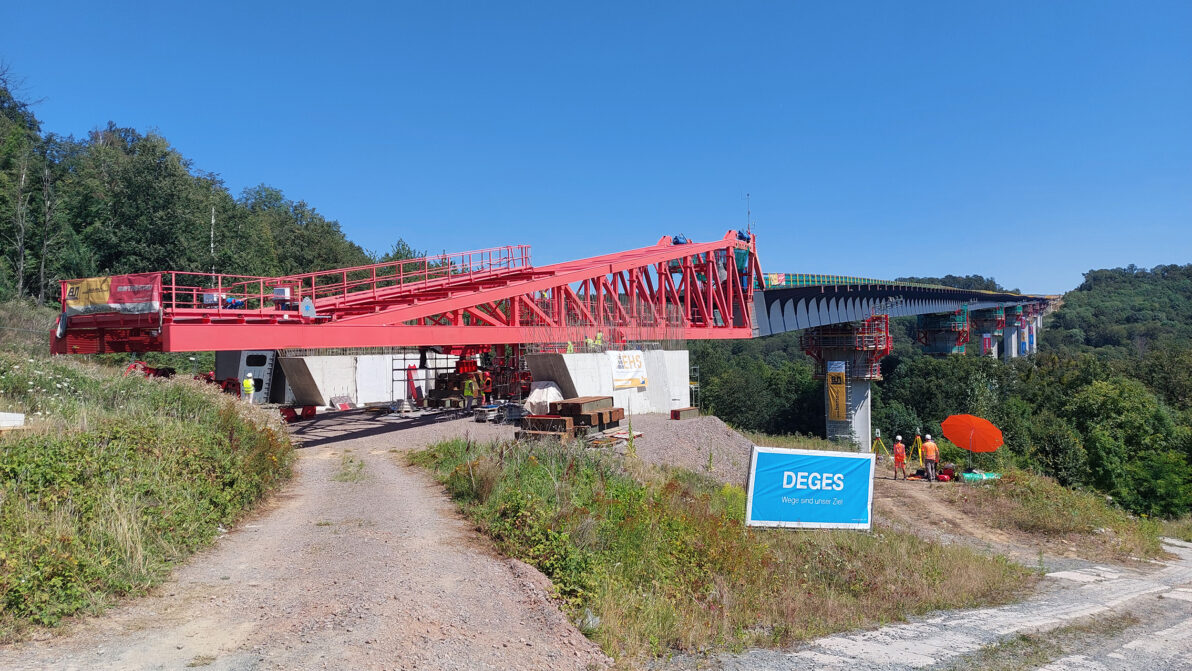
[10, 420]
[629, 368]
[541, 396]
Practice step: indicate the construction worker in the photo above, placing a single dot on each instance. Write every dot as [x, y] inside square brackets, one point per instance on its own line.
[247, 387]
[570, 347]
[469, 392]
[600, 339]
[899, 457]
[931, 457]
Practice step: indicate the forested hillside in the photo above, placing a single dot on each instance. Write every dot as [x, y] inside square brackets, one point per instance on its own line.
[1125, 312]
[119, 200]
[1106, 404]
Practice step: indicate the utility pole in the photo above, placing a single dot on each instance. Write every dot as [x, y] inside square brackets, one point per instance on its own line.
[213, 240]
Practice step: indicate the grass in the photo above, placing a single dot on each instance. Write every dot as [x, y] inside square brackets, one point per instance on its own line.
[115, 480]
[351, 469]
[1022, 652]
[795, 441]
[1038, 505]
[649, 564]
[25, 328]
[1180, 529]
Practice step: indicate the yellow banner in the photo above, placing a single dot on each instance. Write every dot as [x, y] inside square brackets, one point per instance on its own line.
[837, 399]
[83, 296]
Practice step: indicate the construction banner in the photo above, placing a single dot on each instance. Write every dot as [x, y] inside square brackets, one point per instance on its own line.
[629, 369]
[837, 398]
[128, 294]
[809, 489]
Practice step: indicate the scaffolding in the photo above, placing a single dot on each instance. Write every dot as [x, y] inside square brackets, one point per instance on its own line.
[944, 334]
[861, 345]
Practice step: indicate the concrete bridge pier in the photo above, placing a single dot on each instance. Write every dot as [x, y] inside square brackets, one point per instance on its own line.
[857, 427]
[848, 357]
[1010, 342]
[991, 323]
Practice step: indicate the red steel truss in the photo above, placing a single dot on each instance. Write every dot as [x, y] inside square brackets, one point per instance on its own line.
[668, 291]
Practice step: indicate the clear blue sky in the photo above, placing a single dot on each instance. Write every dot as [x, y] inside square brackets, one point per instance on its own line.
[1030, 141]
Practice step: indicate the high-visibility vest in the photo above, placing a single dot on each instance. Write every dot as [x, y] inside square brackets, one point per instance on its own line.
[247, 386]
[469, 387]
[930, 451]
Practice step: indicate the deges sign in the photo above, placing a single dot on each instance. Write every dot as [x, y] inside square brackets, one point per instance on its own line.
[809, 489]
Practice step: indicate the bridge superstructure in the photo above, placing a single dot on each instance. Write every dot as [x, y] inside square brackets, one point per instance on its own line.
[845, 322]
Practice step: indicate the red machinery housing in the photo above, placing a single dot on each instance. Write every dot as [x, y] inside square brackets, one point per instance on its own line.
[672, 290]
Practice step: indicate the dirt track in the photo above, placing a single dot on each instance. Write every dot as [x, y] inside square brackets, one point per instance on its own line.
[376, 574]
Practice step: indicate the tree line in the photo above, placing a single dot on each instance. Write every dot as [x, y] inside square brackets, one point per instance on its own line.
[122, 201]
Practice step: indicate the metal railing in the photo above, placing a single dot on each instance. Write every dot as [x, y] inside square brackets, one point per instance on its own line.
[220, 295]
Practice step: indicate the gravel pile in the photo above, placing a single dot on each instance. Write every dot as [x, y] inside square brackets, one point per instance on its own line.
[687, 443]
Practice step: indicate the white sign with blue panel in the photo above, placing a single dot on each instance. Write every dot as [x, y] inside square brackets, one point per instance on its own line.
[809, 489]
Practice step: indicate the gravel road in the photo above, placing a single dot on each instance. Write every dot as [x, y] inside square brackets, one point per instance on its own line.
[381, 573]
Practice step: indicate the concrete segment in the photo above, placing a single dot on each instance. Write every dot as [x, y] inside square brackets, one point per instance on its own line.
[591, 374]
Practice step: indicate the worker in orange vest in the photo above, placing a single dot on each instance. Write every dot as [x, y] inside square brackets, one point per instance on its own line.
[931, 457]
[899, 457]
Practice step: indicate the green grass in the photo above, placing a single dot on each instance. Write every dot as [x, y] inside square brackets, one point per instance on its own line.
[1022, 652]
[1180, 529]
[1038, 505]
[664, 563]
[351, 469]
[116, 479]
[796, 441]
[25, 328]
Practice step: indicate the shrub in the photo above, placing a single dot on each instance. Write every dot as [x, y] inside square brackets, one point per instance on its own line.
[1039, 505]
[117, 478]
[666, 564]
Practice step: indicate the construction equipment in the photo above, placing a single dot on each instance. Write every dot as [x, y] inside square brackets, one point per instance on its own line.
[147, 370]
[666, 291]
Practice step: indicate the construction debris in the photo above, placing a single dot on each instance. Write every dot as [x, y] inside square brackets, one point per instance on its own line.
[579, 417]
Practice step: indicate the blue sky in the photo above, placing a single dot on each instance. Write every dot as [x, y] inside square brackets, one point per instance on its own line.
[1030, 141]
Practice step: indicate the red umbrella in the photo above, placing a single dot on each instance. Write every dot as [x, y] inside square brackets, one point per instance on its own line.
[972, 433]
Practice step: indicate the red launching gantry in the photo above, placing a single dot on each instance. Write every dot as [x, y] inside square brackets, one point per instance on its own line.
[673, 290]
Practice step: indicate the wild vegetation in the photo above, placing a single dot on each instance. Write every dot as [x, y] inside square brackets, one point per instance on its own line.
[1040, 506]
[117, 477]
[1106, 405]
[653, 562]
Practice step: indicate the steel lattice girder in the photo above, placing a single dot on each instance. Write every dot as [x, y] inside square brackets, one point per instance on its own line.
[663, 292]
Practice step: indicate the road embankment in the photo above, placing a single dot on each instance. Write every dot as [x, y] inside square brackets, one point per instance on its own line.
[115, 480]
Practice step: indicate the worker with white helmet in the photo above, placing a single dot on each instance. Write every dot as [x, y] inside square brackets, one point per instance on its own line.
[931, 457]
[899, 457]
[247, 387]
